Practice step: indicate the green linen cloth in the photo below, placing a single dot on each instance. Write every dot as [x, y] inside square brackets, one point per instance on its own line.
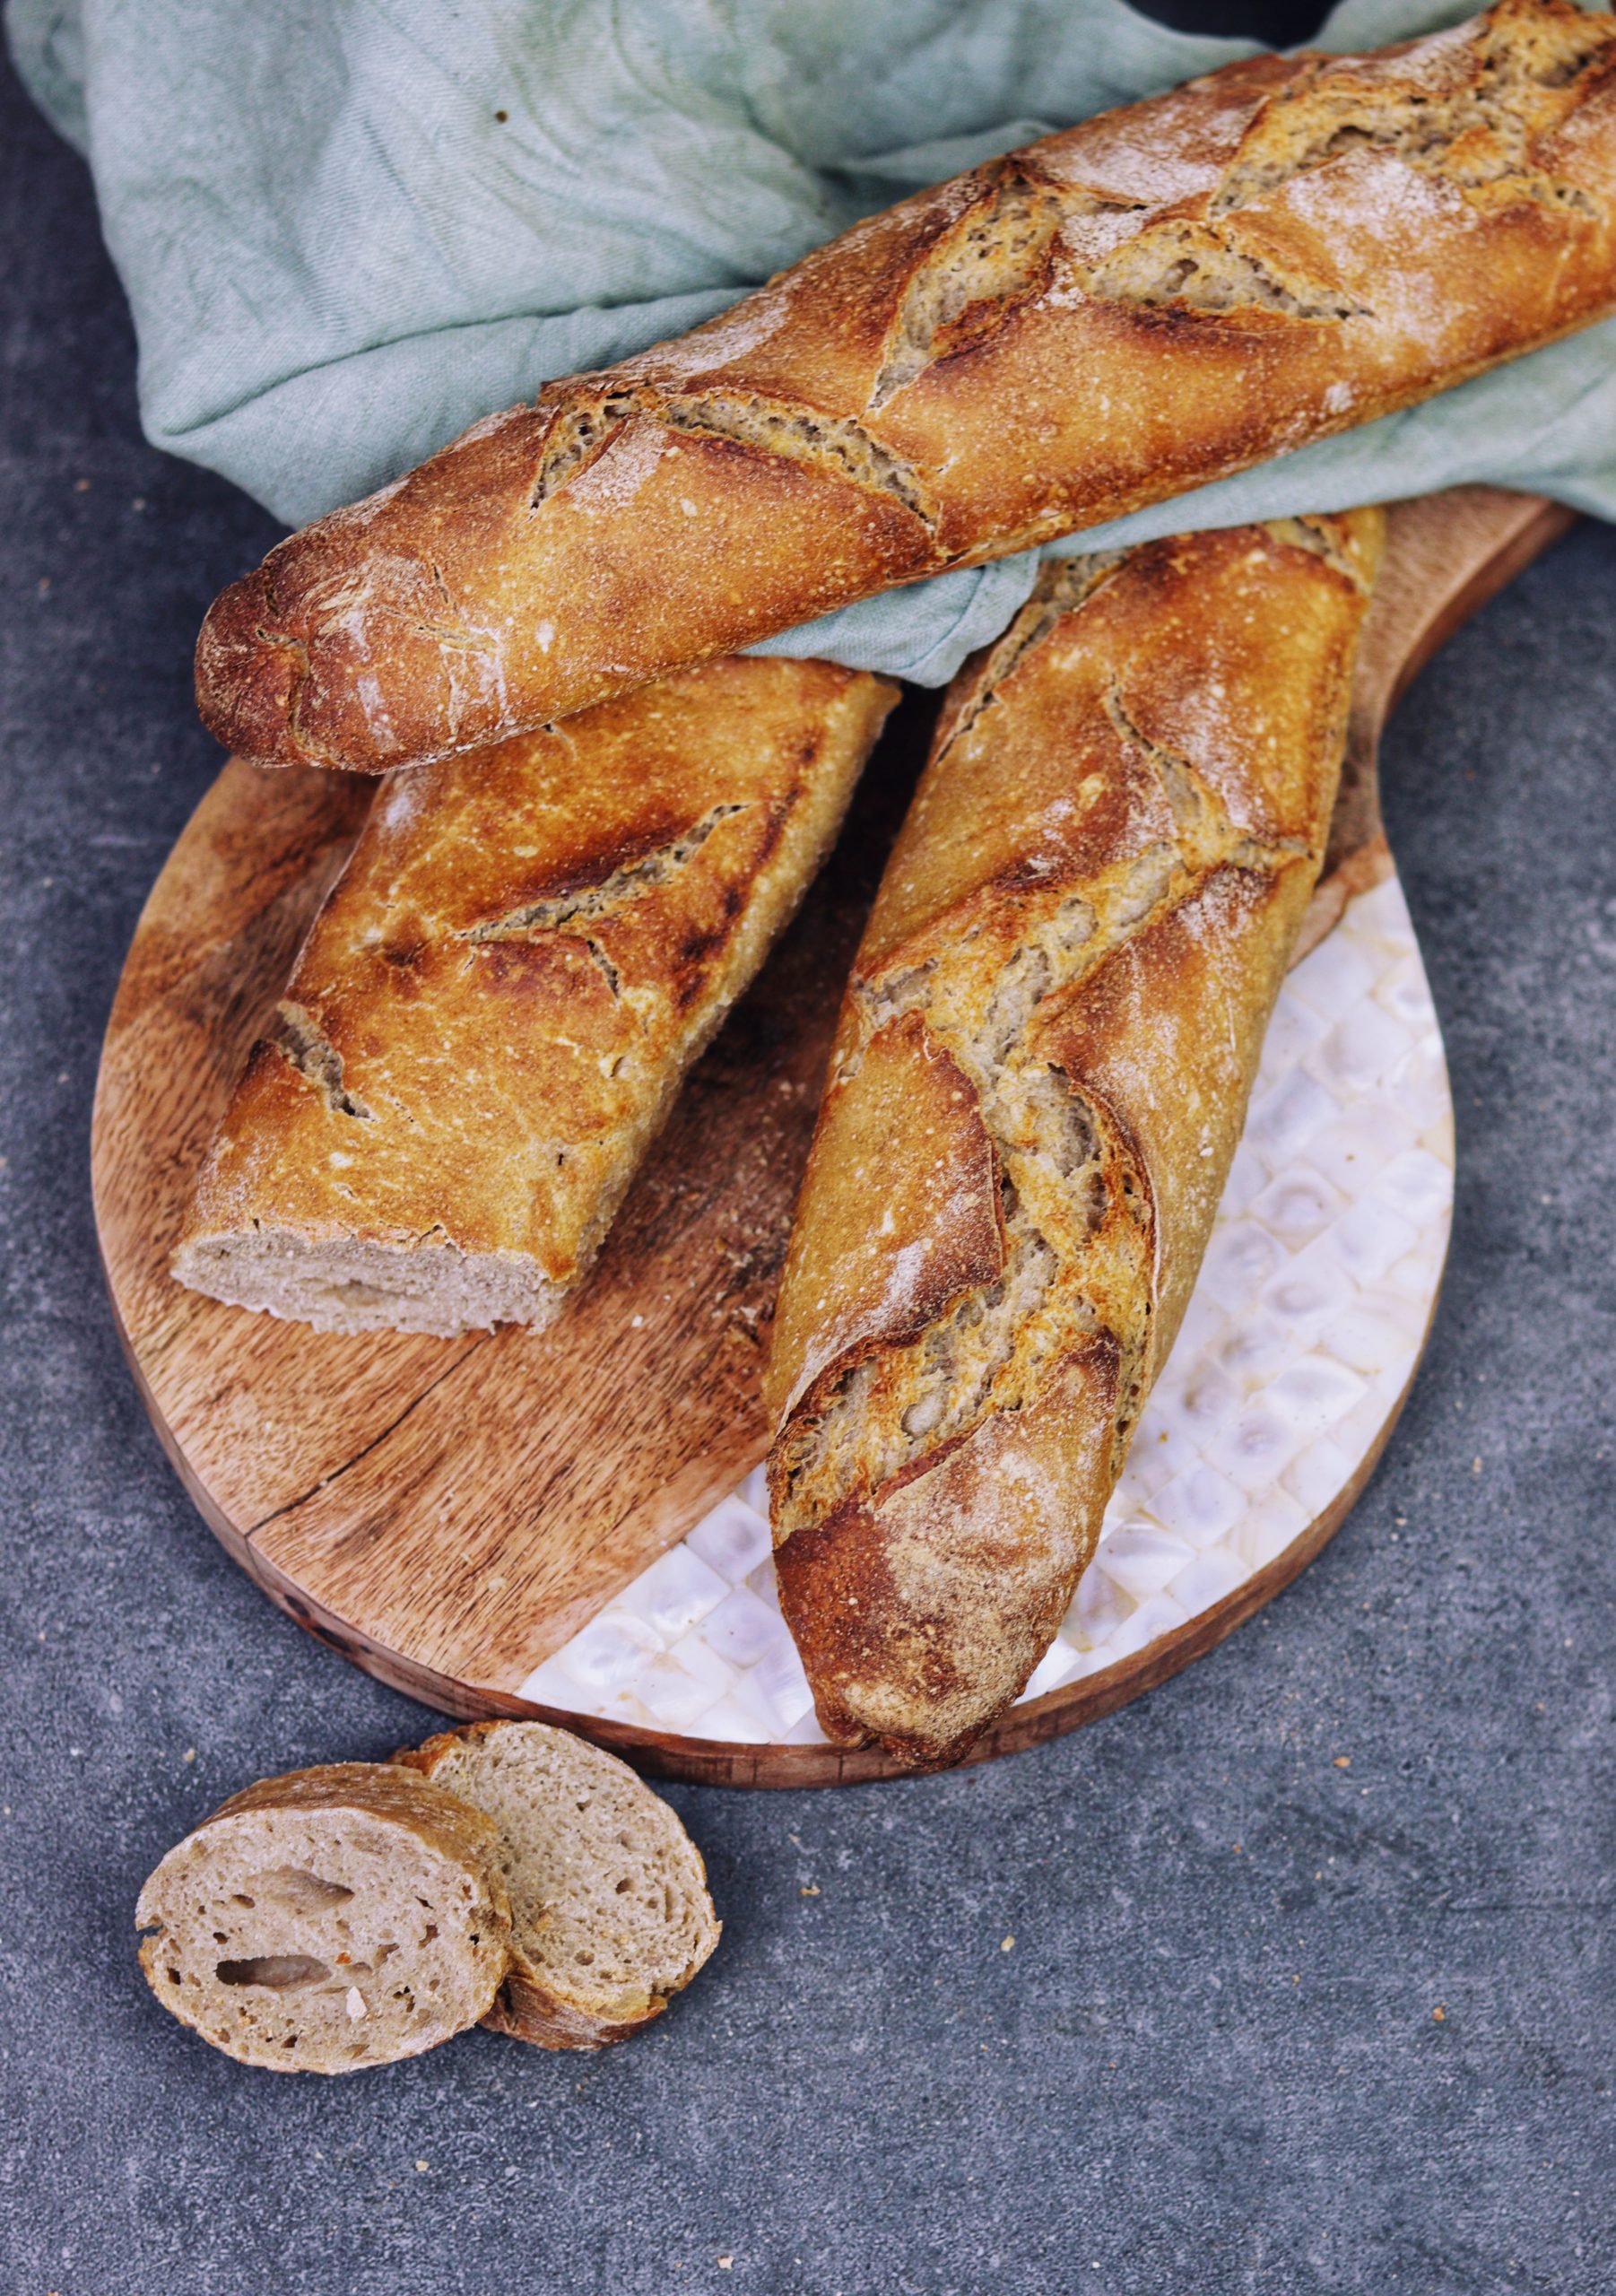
[348, 228]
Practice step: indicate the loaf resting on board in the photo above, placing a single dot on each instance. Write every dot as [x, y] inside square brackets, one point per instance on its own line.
[492, 1012]
[1039, 1083]
[1117, 313]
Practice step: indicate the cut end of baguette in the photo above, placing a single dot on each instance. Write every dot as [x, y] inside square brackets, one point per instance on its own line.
[353, 1284]
[328, 1920]
[608, 1892]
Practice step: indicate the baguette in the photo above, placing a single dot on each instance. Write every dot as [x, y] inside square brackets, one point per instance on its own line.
[329, 1919]
[1040, 1079]
[610, 1910]
[490, 1016]
[1159, 296]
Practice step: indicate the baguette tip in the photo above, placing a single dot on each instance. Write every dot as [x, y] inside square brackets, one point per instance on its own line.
[247, 673]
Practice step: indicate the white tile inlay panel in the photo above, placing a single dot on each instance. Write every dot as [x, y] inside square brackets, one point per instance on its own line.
[1304, 1330]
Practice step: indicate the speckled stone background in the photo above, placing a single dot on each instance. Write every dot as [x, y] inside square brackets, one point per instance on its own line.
[1311, 1983]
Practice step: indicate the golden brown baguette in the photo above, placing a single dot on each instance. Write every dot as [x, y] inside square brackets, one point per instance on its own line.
[1039, 1080]
[330, 1919]
[1145, 302]
[490, 1016]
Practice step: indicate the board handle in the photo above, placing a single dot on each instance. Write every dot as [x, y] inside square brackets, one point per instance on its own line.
[1446, 556]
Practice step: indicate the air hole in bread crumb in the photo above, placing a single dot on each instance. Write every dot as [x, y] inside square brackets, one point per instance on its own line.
[280, 1973]
[297, 1891]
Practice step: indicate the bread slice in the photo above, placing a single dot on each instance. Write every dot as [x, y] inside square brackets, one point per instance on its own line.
[1039, 1080]
[608, 1891]
[329, 1919]
[1119, 312]
[489, 1019]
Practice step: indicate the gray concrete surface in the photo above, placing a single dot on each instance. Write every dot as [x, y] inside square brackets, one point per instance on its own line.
[1213, 2060]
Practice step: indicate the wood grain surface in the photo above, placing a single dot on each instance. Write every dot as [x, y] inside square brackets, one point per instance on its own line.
[448, 1512]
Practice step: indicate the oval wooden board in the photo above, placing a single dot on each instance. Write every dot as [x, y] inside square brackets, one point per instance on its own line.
[447, 1513]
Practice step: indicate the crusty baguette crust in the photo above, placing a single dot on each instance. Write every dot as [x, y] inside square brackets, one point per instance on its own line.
[1038, 1084]
[534, 2005]
[364, 1819]
[491, 1015]
[440, 1821]
[1147, 301]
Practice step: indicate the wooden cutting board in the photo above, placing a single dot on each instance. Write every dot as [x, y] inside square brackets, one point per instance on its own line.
[448, 1513]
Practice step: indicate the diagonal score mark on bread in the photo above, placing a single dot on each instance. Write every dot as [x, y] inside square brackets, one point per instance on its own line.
[1479, 136]
[301, 1042]
[562, 911]
[1040, 1075]
[1197, 267]
[833, 444]
[999, 252]
[574, 910]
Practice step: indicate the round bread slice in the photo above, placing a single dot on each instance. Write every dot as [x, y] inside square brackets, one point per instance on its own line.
[608, 1892]
[329, 1919]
